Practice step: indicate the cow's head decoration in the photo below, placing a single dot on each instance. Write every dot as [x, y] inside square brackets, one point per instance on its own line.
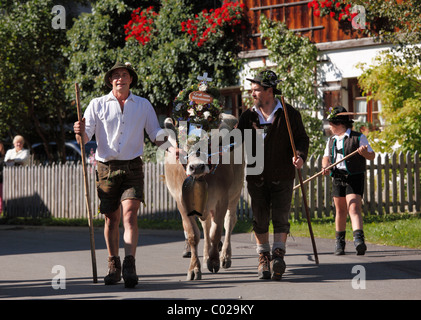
[197, 114]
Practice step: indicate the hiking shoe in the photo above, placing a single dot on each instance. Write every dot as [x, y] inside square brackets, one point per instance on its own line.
[114, 271]
[129, 272]
[278, 264]
[359, 243]
[340, 243]
[263, 270]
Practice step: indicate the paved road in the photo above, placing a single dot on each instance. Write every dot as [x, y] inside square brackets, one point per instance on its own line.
[29, 254]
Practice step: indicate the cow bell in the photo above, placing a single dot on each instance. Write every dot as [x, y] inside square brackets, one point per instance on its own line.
[195, 195]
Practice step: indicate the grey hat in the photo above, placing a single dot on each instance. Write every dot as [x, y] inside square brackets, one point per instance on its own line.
[118, 65]
[267, 78]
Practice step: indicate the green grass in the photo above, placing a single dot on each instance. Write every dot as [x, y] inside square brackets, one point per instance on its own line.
[403, 230]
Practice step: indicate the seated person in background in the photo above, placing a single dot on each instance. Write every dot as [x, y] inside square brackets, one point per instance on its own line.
[18, 155]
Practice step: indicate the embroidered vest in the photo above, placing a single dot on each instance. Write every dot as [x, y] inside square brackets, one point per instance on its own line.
[355, 164]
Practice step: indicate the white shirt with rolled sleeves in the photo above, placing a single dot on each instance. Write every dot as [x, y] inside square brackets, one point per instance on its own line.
[340, 145]
[120, 135]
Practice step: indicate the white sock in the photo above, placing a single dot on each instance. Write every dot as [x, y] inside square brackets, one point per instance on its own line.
[265, 247]
[280, 245]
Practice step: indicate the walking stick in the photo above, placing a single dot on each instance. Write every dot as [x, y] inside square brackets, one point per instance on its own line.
[327, 168]
[85, 178]
[316, 258]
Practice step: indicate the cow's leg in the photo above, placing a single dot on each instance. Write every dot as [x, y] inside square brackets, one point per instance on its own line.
[193, 237]
[215, 235]
[229, 224]
[206, 224]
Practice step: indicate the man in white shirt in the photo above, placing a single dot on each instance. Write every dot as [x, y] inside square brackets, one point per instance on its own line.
[118, 121]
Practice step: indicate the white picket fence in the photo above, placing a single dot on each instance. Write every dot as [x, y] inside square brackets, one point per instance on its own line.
[58, 191]
[392, 186]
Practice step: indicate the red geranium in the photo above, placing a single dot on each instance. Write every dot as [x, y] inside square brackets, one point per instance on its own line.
[337, 9]
[212, 22]
[203, 26]
[142, 25]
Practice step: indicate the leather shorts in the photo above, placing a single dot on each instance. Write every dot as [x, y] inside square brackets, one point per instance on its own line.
[271, 200]
[118, 180]
[344, 184]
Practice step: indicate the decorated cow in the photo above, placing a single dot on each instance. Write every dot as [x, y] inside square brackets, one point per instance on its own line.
[207, 178]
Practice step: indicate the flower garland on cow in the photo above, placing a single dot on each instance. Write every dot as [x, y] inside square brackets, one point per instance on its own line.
[197, 110]
[199, 107]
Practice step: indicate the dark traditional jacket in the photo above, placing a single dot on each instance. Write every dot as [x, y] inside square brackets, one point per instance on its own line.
[355, 164]
[278, 151]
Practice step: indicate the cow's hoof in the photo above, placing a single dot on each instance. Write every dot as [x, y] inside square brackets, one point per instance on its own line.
[213, 265]
[194, 275]
[226, 263]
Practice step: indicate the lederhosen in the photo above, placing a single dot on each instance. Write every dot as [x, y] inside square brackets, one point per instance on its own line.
[350, 180]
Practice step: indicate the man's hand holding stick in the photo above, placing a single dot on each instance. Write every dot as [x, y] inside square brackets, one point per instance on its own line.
[284, 107]
[326, 169]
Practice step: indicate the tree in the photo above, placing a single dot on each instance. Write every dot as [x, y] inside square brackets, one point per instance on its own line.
[296, 60]
[96, 40]
[394, 79]
[165, 57]
[150, 35]
[173, 44]
[32, 67]
[395, 82]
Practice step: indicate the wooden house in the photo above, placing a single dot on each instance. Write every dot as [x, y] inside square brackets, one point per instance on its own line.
[340, 47]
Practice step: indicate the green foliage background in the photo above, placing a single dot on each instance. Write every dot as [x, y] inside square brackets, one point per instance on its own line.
[39, 65]
[165, 65]
[32, 69]
[396, 83]
[296, 61]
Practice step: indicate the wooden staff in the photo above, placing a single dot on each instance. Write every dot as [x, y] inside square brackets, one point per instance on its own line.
[316, 258]
[327, 168]
[85, 178]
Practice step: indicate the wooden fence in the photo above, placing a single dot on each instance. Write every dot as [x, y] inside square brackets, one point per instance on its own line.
[392, 186]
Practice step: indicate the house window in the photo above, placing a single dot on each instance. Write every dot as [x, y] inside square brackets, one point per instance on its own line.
[348, 94]
[377, 120]
[360, 109]
[364, 110]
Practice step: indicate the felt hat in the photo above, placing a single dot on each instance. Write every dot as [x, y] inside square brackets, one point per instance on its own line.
[267, 78]
[118, 65]
[339, 115]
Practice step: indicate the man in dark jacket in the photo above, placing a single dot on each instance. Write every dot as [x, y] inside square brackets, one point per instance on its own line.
[271, 190]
